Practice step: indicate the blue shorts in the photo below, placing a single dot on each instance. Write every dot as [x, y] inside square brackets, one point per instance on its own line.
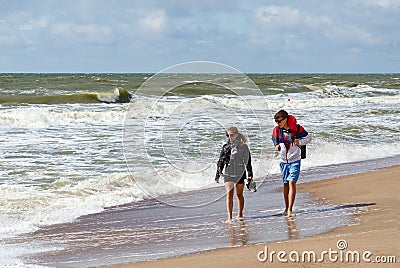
[290, 171]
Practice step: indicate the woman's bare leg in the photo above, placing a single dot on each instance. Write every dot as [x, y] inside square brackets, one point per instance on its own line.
[240, 197]
[229, 187]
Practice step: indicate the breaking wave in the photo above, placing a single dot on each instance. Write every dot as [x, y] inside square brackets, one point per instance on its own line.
[119, 95]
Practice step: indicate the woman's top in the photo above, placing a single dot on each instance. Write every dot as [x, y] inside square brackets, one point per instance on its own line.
[236, 159]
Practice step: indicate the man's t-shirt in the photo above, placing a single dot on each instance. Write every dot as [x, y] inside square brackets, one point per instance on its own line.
[287, 138]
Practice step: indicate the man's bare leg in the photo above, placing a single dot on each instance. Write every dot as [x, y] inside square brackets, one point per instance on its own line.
[286, 197]
[291, 198]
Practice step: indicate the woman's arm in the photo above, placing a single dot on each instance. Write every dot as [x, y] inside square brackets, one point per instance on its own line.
[249, 167]
[222, 161]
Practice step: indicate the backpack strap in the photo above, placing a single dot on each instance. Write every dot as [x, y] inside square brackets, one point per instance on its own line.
[302, 147]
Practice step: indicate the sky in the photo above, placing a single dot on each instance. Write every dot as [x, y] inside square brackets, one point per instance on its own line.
[252, 36]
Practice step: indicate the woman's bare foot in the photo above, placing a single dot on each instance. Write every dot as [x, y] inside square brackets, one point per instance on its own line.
[240, 218]
[284, 213]
[229, 220]
[290, 214]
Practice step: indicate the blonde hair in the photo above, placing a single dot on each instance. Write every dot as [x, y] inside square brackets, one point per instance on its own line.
[241, 137]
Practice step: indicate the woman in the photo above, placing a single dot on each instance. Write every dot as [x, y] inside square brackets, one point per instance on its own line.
[236, 159]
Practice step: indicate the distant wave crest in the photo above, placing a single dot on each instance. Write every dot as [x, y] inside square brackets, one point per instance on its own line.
[119, 95]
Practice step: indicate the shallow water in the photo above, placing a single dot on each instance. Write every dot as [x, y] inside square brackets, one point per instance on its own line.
[152, 229]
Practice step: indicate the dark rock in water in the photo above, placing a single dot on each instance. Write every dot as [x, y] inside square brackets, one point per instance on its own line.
[119, 95]
[124, 96]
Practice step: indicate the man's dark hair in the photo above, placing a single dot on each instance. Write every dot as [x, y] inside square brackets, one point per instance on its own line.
[281, 114]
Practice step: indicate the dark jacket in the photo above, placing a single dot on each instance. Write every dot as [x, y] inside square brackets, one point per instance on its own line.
[235, 165]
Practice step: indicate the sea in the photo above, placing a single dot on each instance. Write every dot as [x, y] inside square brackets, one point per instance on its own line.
[107, 168]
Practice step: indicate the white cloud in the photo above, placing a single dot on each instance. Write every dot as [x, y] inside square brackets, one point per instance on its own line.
[8, 40]
[83, 33]
[34, 24]
[385, 4]
[261, 39]
[297, 29]
[283, 28]
[155, 21]
[284, 17]
[352, 35]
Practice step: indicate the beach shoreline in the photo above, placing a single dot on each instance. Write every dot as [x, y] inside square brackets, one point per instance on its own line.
[373, 235]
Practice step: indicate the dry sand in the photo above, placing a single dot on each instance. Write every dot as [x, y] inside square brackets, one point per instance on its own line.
[375, 229]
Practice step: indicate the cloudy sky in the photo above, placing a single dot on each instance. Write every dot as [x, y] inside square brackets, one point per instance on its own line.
[249, 35]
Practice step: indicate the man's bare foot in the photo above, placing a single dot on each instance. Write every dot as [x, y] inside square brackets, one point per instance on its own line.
[229, 220]
[240, 218]
[284, 213]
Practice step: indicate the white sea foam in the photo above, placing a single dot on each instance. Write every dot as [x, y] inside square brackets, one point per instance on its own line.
[10, 254]
[299, 101]
[48, 116]
[65, 161]
[321, 153]
[25, 209]
[109, 97]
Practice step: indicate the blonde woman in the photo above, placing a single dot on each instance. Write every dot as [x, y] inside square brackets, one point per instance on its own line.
[235, 158]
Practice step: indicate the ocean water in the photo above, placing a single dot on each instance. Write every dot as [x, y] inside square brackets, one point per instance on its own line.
[74, 148]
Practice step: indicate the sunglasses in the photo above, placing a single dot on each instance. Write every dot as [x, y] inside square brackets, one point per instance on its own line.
[279, 121]
[231, 135]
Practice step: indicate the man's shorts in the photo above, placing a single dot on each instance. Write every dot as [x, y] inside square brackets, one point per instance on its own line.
[290, 171]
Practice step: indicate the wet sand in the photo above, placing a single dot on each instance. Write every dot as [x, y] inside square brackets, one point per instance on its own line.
[374, 234]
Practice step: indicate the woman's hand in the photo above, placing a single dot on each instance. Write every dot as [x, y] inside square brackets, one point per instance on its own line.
[278, 147]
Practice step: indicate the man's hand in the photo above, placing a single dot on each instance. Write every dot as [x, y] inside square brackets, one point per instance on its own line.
[297, 142]
[278, 147]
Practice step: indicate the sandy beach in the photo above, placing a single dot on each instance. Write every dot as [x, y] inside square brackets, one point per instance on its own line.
[372, 238]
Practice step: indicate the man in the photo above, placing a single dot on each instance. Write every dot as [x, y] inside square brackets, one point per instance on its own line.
[288, 136]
